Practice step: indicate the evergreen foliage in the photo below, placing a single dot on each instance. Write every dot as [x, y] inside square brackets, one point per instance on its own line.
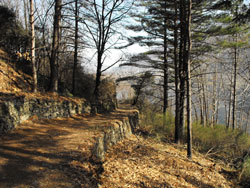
[13, 38]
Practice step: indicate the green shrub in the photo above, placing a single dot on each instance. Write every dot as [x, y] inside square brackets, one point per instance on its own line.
[158, 125]
[220, 142]
[217, 142]
[245, 178]
[12, 36]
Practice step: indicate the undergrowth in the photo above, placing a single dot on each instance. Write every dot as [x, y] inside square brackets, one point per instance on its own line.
[157, 125]
[218, 142]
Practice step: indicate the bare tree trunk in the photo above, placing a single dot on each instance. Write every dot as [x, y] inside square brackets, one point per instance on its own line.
[98, 77]
[25, 14]
[214, 99]
[76, 48]
[218, 102]
[201, 102]
[206, 98]
[226, 114]
[195, 111]
[240, 124]
[229, 105]
[55, 48]
[204, 102]
[177, 86]
[225, 100]
[33, 43]
[182, 77]
[182, 68]
[234, 86]
[165, 85]
[189, 91]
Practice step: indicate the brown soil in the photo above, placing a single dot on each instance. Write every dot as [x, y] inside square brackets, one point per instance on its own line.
[52, 153]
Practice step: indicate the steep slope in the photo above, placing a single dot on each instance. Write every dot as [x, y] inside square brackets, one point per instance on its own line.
[146, 163]
[11, 79]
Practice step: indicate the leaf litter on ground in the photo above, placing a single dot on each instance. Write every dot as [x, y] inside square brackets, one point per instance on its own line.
[140, 162]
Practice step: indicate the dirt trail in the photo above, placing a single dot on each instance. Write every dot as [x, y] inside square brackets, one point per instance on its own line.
[57, 154]
[52, 153]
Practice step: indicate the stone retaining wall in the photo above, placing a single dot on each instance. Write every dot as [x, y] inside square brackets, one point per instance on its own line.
[117, 131]
[15, 110]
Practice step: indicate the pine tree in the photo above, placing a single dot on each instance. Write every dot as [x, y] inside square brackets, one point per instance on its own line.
[156, 22]
[234, 34]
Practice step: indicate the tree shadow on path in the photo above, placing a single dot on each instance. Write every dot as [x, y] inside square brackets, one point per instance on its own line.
[35, 156]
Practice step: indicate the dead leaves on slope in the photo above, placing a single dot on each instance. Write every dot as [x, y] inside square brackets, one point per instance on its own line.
[145, 163]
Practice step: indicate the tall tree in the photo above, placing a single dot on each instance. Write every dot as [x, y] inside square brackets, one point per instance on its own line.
[102, 18]
[188, 80]
[76, 46]
[176, 68]
[165, 59]
[156, 21]
[55, 47]
[33, 45]
[181, 70]
[234, 33]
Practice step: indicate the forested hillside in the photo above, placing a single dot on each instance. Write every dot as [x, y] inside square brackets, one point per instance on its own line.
[184, 64]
